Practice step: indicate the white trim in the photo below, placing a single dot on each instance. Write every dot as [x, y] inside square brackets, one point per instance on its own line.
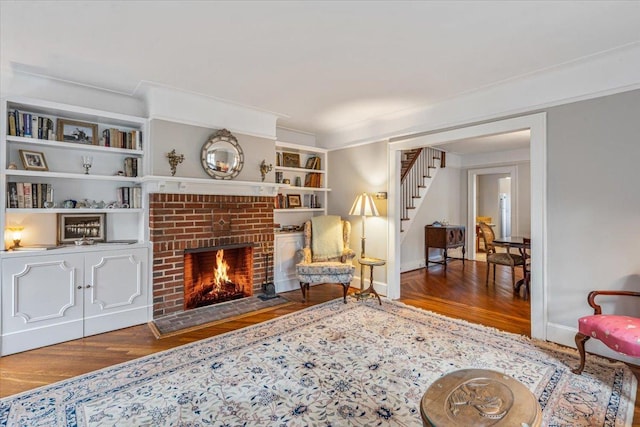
[538, 127]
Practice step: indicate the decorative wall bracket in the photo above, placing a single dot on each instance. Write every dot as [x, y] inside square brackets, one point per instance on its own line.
[174, 160]
[265, 168]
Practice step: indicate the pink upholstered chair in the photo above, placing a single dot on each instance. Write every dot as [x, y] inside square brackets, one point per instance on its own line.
[619, 333]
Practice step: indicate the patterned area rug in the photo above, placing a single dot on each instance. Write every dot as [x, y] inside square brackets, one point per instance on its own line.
[333, 364]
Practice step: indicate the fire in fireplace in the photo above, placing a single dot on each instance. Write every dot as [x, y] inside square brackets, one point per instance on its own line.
[215, 275]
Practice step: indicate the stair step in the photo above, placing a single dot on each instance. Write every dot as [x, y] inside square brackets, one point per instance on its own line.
[422, 186]
[410, 207]
[405, 219]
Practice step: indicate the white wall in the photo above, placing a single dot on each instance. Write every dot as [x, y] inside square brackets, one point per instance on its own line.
[487, 203]
[441, 203]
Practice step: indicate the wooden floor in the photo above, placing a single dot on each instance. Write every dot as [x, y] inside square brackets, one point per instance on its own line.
[457, 292]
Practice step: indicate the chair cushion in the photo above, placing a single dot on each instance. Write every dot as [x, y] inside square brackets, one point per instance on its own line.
[327, 241]
[505, 259]
[620, 333]
[325, 272]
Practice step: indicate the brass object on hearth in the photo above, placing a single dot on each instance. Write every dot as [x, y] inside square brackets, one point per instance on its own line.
[174, 160]
[265, 168]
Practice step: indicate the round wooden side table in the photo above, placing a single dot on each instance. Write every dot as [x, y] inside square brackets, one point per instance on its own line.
[371, 262]
[479, 398]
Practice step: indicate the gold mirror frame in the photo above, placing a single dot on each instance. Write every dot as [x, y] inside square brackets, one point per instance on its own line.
[222, 157]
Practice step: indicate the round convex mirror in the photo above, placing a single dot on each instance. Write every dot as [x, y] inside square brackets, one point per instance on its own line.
[222, 157]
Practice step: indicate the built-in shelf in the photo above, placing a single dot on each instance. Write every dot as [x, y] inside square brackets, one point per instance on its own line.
[299, 170]
[300, 210]
[67, 175]
[72, 145]
[78, 211]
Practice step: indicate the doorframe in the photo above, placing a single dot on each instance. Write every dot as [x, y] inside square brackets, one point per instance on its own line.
[472, 205]
[537, 125]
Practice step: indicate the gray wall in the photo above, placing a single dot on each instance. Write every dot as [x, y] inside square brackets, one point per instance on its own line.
[593, 202]
[188, 140]
[358, 170]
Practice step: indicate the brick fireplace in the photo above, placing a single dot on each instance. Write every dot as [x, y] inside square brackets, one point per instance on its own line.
[180, 223]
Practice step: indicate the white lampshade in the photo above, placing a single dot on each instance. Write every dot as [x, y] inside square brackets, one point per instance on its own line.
[364, 206]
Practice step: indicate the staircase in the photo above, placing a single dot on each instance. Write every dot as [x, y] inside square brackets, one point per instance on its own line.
[417, 170]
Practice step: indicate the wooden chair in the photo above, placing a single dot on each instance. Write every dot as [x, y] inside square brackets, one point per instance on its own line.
[333, 268]
[526, 265]
[619, 333]
[479, 219]
[498, 258]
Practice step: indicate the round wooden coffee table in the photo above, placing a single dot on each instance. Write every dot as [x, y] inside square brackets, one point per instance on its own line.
[479, 398]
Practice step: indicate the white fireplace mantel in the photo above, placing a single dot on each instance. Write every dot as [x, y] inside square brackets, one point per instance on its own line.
[173, 184]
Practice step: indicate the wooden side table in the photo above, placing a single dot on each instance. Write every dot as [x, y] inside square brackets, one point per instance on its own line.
[371, 262]
[444, 237]
[479, 397]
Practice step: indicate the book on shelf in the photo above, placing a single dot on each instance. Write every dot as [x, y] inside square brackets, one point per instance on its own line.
[12, 195]
[313, 179]
[116, 138]
[26, 195]
[30, 125]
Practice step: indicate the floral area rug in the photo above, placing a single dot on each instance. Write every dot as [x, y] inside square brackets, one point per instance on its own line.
[357, 364]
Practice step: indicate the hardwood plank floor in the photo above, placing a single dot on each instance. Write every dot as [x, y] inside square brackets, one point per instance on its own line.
[456, 292]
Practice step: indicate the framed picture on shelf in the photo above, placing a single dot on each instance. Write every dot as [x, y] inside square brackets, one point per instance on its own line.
[291, 160]
[73, 227]
[312, 162]
[79, 132]
[33, 160]
[294, 200]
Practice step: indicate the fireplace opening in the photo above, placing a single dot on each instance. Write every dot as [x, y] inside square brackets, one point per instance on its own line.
[218, 274]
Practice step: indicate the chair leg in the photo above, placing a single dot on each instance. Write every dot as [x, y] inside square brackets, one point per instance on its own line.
[304, 287]
[345, 288]
[486, 282]
[513, 277]
[494, 273]
[580, 340]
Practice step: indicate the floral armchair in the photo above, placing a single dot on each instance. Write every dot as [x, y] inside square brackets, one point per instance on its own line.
[328, 264]
[619, 333]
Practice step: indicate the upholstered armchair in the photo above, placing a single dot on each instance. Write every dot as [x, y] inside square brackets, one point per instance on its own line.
[326, 256]
[619, 333]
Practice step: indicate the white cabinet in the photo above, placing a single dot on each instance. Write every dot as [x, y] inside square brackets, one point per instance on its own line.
[62, 296]
[305, 168]
[285, 247]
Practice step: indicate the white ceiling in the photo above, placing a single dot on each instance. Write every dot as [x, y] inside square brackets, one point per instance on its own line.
[324, 64]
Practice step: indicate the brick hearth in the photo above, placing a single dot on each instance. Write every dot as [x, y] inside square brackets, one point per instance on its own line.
[188, 221]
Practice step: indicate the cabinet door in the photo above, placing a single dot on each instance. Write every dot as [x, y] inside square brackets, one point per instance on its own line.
[41, 302]
[285, 249]
[115, 289]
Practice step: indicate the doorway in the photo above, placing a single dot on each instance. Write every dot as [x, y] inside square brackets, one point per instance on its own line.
[536, 123]
[487, 203]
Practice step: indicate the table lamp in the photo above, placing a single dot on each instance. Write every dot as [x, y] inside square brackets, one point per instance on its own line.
[364, 207]
[16, 236]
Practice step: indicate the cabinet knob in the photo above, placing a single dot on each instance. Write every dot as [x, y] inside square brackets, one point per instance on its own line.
[79, 286]
[88, 286]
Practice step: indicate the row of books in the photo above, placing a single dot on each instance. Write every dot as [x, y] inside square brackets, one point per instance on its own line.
[116, 138]
[281, 201]
[130, 197]
[131, 166]
[313, 180]
[26, 195]
[30, 125]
